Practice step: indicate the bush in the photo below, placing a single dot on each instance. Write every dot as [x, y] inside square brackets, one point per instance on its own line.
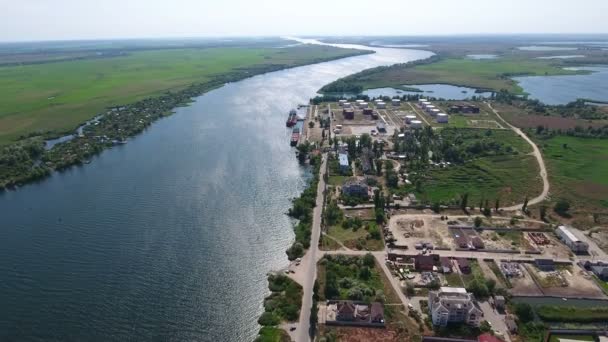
[268, 319]
[524, 312]
[562, 207]
[478, 221]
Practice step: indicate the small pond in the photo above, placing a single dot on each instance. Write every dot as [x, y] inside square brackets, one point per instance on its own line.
[445, 91]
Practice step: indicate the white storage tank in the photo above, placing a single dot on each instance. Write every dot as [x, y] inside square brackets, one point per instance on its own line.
[396, 102]
[409, 118]
[422, 100]
[362, 105]
[442, 118]
[346, 105]
[341, 102]
[359, 101]
[416, 124]
[434, 112]
[381, 105]
[429, 108]
[425, 104]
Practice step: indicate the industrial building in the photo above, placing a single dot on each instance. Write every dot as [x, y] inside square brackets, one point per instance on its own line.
[349, 114]
[416, 124]
[576, 245]
[442, 118]
[409, 118]
[453, 305]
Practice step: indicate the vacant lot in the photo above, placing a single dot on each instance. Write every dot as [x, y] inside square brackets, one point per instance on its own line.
[57, 97]
[509, 178]
[577, 169]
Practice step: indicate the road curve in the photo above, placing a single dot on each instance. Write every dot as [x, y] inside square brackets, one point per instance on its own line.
[539, 158]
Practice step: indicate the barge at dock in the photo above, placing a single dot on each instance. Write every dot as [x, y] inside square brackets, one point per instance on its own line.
[292, 119]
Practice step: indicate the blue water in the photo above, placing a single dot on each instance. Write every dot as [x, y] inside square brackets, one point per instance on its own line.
[564, 89]
[482, 56]
[169, 237]
[546, 48]
[445, 91]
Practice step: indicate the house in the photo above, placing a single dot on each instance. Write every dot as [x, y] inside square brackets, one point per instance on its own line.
[446, 264]
[601, 271]
[454, 305]
[354, 313]
[576, 245]
[344, 164]
[546, 265]
[346, 311]
[355, 187]
[425, 262]
[464, 265]
[487, 337]
[477, 242]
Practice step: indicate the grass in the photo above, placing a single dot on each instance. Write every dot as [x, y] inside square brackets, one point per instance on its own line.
[337, 180]
[57, 97]
[476, 273]
[577, 169]
[510, 178]
[357, 239]
[557, 338]
[572, 314]
[602, 284]
[271, 334]
[453, 279]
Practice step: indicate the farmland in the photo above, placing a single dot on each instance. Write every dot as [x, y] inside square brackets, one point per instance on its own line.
[577, 169]
[55, 98]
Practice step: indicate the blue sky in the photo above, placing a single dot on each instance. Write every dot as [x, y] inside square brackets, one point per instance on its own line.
[86, 19]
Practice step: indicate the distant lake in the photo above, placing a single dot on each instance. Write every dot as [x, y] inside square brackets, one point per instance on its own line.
[445, 91]
[482, 56]
[561, 57]
[546, 48]
[563, 89]
[398, 45]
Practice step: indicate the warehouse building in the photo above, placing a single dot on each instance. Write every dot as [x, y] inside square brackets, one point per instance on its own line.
[576, 245]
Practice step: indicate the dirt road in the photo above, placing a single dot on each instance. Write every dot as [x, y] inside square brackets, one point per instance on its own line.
[539, 158]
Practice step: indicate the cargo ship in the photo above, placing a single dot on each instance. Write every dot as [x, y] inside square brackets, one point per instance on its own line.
[292, 119]
[295, 136]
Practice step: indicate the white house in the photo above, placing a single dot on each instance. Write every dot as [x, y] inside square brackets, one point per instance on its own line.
[454, 304]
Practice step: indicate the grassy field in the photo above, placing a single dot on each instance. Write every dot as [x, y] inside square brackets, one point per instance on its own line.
[356, 239]
[57, 97]
[577, 169]
[509, 178]
[557, 338]
[480, 74]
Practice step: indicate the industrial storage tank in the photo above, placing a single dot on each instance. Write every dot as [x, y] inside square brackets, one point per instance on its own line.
[396, 102]
[429, 108]
[381, 105]
[434, 112]
[341, 102]
[346, 105]
[416, 124]
[409, 118]
[425, 104]
[362, 104]
[442, 118]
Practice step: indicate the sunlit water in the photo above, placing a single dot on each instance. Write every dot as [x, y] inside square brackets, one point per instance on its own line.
[168, 237]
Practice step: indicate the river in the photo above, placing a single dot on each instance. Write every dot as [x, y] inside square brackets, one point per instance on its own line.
[168, 237]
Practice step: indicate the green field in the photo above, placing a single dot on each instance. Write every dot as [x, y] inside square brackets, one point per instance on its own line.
[510, 178]
[558, 338]
[57, 97]
[577, 169]
[480, 74]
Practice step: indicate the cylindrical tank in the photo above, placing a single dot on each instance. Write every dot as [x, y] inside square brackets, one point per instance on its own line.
[442, 118]
[416, 124]
[409, 118]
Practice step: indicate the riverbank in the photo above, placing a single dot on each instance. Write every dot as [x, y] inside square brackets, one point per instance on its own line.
[28, 160]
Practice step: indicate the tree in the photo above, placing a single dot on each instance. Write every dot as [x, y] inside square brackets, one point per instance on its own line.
[524, 207]
[542, 210]
[497, 204]
[478, 288]
[485, 327]
[491, 285]
[311, 124]
[369, 260]
[410, 291]
[478, 221]
[524, 312]
[365, 273]
[561, 207]
[436, 207]
[487, 212]
[464, 202]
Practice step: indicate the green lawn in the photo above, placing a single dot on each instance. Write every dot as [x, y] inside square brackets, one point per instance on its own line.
[356, 239]
[57, 97]
[557, 338]
[577, 169]
[453, 279]
[271, 334]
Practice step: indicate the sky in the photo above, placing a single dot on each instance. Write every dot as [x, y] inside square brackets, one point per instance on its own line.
[22, 20]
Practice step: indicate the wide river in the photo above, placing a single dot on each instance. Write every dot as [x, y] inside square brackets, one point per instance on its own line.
[170, 237]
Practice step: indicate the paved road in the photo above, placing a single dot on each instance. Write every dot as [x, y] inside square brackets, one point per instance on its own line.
[309, 261]
[539, 158]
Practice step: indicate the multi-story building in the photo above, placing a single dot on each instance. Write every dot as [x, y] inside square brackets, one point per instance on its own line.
[454, 304]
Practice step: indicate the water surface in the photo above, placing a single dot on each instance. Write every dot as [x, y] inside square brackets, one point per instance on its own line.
[568, 88]
[444, 91]
[169, 237]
